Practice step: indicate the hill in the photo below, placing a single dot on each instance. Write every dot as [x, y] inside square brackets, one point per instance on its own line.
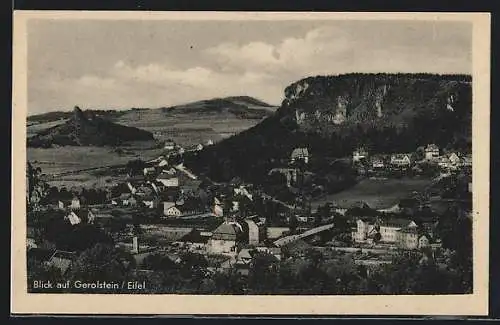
[83, 129]
[240, 106]
[332, 115]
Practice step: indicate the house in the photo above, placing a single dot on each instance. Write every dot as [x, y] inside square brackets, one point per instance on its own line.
[163, 163]
[73, 218]
[467, 161]
[148, 171]
[423, 241]
[408, 237]
[378, 163]
[444, 162]
[299, 154]
[75, 204]
[127, 199]
[61, 204]
[61, 260]
[150, 202]
[431, 152]
[144, 191]
[167, 179]
[401, 160]
[226, 239]
[359, 154]
[199, 147]
[242, 190]
[218, 208]
[254, 233]
[194, 240]
[454, 159]
[210, 142]
[385, 231]
[173, 211]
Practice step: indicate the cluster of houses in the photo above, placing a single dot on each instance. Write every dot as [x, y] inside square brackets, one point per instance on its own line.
[173, 148]
[399, 232]
[431, 154]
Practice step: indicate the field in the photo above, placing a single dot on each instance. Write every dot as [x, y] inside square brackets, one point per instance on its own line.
[74, 159]
[377, 193]
[186, 129]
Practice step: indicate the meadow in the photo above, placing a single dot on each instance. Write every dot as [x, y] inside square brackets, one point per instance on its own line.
[377, 193]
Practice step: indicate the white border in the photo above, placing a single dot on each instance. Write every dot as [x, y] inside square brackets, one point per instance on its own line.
[474, 304]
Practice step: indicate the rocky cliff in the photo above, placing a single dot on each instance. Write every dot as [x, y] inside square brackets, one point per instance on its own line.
[332, 115]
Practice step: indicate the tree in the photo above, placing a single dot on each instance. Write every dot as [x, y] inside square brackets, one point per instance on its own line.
[293, 223]
[101, 262]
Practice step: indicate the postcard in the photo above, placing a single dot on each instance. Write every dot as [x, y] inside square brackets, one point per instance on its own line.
[250, 163]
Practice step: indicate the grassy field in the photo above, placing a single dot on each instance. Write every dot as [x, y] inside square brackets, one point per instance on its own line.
[187, 129]
[68, 159]
[377, 193]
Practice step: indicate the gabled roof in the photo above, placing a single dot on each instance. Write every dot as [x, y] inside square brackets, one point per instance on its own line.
[300, 152]
[227, 231]
[431, 147]
[396, 222]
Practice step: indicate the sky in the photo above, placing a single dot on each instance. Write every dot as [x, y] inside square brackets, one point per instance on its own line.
[120, 64]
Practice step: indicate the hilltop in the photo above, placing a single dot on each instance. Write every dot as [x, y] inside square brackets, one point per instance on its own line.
[239, 106]
[85, 128]
[332, 115]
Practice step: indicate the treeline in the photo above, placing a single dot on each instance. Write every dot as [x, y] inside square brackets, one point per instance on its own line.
[58, 115]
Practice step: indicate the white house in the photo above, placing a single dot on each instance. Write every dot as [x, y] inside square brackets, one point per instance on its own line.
[359, 154]
[73, 218]
[454, 159]
[300, 154]
[75, 203]
[378, 163]
[431, 152]
[226, 239]
[172, 211]
[163, 163]
[148, 170]
[401, 160]
[241, 190]
[393, 230]
[168, 180]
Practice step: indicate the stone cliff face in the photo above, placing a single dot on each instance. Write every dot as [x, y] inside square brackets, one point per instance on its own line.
[331, 101]
[334, 115]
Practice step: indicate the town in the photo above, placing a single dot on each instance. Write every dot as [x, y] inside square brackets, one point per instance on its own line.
[181, 232]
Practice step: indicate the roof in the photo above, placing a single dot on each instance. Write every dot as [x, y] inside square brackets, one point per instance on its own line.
[227, 231]
[398, 222]
[300, 152]
[194, 237]
[431, 147]
[400, 156]
[164, 175]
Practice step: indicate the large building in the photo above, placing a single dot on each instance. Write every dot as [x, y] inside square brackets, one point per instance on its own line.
[227, 239]
[401, 232]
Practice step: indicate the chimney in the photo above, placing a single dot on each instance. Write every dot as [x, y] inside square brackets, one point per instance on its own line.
[135, 245]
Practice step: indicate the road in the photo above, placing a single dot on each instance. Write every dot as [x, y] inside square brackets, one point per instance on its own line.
[307, 233]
